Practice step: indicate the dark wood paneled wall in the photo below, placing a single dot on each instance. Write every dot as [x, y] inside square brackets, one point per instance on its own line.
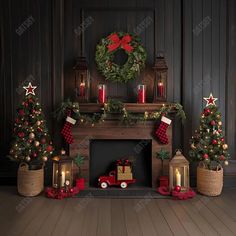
[198, 62]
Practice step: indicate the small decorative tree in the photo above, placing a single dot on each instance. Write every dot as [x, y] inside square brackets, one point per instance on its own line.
[31, 142]
[162, 155]
[208, 143]
[79, 161]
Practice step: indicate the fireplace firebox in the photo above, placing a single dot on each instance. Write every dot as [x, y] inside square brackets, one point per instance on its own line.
[105, 152]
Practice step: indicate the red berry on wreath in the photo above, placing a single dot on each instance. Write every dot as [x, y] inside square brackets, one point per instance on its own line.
[26, 104]
[214, 142]
[177, 188]
[17, 120]
[213, 123]
[222, 140]
[205, 156]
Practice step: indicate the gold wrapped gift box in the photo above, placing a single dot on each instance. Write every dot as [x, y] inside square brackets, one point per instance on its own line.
[124, 169]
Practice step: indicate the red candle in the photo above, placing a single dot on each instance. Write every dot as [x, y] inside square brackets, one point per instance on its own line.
[101, 93]
[141, 93]
[160, 89]
[82, 89]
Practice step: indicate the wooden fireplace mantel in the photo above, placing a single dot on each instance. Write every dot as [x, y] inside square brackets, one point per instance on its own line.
[131, 107]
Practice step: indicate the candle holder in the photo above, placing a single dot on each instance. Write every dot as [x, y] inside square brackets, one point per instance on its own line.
[160, 80]
[102, 96]
[141, 93]
[82, 80]
[179, 173]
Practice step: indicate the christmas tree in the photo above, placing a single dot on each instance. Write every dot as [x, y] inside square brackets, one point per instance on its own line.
[31, 142]
[208, 143]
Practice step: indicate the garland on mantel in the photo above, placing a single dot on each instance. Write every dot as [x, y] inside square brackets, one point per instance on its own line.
[116, 107]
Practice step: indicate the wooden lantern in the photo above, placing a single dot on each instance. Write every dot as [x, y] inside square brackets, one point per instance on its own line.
[82, 80]
[62, 172]
[179, 172]
[160, 80]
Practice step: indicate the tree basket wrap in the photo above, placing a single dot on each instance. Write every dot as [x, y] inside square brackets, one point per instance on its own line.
[30, 182]
[209, 182]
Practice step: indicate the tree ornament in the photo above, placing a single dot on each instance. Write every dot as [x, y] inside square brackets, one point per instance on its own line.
[225, 146]
[31, 135]
[220, 123]
[211, 150]
[193, 146]
[222, 157]
[218, 116]
[29, 89]
[177, 188]
[222, 140]
[207, 111]
[34, 154]
[214, 142]
[213, 123]
[226, 163]
[43, 140]
[44, 158]
[210, 100]
[21, 134]
[71, 190]
[27, 158]
[49, 148]
[205, 156]
[21, 112]
[36, 143]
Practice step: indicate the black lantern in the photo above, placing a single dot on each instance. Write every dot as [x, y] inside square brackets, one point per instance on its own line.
[62, 172]
[82, 80]
[160, 80]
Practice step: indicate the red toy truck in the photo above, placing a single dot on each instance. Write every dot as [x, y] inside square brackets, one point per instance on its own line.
[105, 181]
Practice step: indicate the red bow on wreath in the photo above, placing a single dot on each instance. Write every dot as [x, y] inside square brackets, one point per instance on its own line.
[117, 42]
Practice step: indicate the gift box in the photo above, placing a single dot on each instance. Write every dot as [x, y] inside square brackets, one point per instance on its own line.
[124, 169]
[124, 176]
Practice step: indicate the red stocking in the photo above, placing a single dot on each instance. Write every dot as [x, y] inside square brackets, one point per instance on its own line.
[66, 131]
[161, 131]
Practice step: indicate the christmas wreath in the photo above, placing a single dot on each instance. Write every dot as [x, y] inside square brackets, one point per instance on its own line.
[106, 50]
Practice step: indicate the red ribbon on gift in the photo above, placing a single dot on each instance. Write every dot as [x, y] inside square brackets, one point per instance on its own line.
[117, 42]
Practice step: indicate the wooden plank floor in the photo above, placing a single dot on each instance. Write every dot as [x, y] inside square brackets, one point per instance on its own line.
[92, 216]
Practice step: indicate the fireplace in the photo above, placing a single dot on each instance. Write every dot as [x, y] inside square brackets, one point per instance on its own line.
[104, 153]
[110, 132]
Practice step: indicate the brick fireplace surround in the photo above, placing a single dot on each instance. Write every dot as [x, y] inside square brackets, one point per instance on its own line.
[112, 129]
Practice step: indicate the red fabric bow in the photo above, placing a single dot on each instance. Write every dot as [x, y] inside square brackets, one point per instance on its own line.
[117, 42]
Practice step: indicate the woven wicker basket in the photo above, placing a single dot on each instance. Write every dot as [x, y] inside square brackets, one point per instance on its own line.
[209, 182]
[29, 182]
